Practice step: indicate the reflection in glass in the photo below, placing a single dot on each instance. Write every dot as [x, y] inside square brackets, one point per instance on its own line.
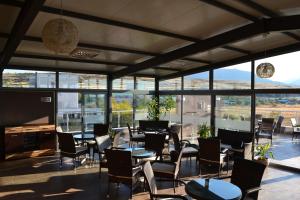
[174, 115]
[82, 81]
[122, 110]
[144, 83]
[198, 81]
[124, 83]
[170, 84]
[28, 79]
[233, 112]
[196, 111]
[233, 77]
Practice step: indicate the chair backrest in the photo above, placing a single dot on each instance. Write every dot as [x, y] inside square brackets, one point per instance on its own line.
[279, 122]
[103, 142]
[294, 122]
[116, 140]
[267, 124]
[247, 174]
[119, 163]
[209, 149]
[155, 142]
[66, 142]
[101, 129]
[129, 130]
[151, 125]
[150, 179]
[174, 128]
[174, 133]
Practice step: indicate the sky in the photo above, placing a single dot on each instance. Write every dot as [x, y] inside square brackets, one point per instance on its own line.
[287, 67]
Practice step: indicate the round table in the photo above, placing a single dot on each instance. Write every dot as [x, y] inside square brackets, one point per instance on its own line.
[86, 136]
[140, 153]
[216, 190]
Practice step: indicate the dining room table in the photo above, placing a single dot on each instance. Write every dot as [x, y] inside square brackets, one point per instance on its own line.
[213, 189]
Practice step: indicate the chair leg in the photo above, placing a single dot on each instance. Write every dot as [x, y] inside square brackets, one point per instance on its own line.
[174, 186]
[108, 190]
[60, 161]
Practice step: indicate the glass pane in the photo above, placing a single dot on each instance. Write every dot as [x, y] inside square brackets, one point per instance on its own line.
[94, 110]
[82, 81]
[286, 72]
[233, 77]
[122, 112]
[69, 111]
[173, 115]
[170, 84]
[233, 112]
[196, 111]
[124, 83]
[141, 106]
[198, 81]
[28, 79]
[144, 83]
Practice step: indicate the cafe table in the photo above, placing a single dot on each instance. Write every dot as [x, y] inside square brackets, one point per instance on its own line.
[140, 153]
[213, 189]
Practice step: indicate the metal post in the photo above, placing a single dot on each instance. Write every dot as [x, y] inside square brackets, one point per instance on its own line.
[108, 101]
[156, 91]
[134, 102]
[253, 102]
[212, 102]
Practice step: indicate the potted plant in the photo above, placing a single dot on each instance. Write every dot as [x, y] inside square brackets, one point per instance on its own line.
[153, 109]
[204, 131]
[263, 153]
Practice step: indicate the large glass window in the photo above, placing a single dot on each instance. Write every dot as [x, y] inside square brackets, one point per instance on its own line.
[196, 111]
[28, 79]
[233, 112]
[198, 81]
[79, 111]
[122, 110]
[233, 77]
[286, 72]
[141, 102]
[124, 83]
[173, 115]
[82, 81]
[170, 84]
[144, 83]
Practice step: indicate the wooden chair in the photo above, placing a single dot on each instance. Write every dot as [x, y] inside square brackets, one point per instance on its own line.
[151, 183]
[247, 175]
[120, 168]
[168, 169]
[69, 149]
[296, 128]
[266, 130]
[135, 136]
[210, 154]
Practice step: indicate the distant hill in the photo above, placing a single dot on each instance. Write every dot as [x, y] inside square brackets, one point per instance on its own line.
[235, 75]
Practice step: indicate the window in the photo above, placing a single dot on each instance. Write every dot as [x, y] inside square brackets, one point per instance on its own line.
[286, 72]
[170, 84]
[28, 79]
[233, 77]
[174, 103]
[198, 81]
[233, 112]
[122, 110]
[82, 81]
[124, 83]
[141, 110]
[144, 83]
[196, 111]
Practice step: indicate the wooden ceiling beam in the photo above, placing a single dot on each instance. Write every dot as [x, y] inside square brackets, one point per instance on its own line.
[25, 18]
[244, 32]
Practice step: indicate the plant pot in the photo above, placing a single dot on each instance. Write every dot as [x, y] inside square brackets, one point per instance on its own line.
[265, 161]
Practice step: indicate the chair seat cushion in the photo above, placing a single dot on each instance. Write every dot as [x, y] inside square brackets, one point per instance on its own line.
[138, 136]
[190, 151]
[163, 167]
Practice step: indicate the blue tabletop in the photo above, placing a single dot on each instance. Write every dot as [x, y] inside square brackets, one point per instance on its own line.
[140, 152]
[85, 136]
[216, 190]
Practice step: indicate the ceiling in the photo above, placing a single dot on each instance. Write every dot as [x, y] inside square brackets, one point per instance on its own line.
[144, 36]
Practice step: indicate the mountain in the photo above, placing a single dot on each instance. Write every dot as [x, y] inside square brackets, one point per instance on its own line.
[232, 75]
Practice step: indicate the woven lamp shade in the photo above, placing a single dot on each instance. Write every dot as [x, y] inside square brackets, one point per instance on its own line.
[60, 35]
[265, 70]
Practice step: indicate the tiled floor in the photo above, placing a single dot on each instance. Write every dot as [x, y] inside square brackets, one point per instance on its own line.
[41, 178]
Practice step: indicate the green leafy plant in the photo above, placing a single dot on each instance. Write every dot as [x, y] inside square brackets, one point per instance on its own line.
[153, 109]
[263, 151]
[204, 131]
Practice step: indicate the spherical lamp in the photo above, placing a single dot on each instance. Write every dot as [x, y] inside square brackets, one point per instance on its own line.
[265, 70]
[60, 35]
